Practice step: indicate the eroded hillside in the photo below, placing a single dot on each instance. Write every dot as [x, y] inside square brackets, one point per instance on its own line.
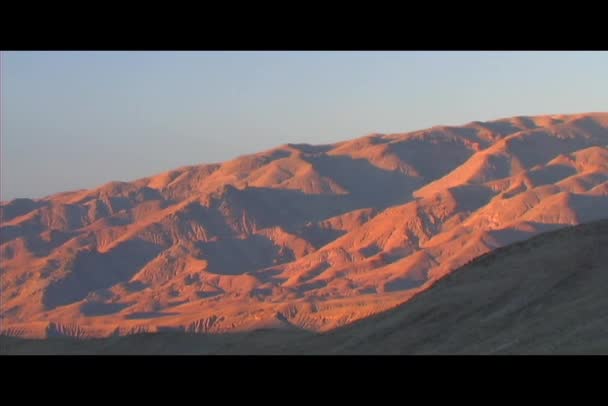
[298, 237]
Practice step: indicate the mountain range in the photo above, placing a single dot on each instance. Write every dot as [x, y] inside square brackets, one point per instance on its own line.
[297, 238]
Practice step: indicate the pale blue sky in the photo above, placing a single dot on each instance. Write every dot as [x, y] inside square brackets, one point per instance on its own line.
[75, 120]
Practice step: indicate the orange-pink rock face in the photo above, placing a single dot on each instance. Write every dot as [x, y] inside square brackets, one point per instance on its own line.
[300, 236]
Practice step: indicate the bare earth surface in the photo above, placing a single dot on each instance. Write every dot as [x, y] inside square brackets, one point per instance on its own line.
[300, 238]
[545, 295]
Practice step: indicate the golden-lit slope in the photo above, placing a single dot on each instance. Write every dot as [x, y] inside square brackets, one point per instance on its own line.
[544, 295]
[303, 236]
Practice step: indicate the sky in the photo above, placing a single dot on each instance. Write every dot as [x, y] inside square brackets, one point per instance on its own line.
[73, 120]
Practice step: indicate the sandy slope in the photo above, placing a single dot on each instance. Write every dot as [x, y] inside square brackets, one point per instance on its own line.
[545, 295]
[297, 237]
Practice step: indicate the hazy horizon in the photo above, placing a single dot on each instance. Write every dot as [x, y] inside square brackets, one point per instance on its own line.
[73, 120]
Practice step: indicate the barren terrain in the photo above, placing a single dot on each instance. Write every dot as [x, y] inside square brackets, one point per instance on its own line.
[298, 238]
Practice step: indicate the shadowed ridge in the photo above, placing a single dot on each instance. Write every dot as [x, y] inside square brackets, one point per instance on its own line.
[506, 301]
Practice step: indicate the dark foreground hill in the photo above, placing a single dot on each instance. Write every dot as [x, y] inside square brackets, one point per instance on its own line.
[545, 295]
